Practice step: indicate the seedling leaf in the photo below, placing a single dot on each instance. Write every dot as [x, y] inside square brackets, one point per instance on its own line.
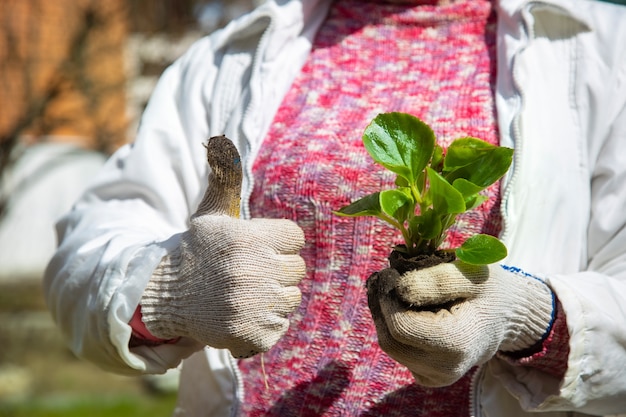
[397, 203]
[476, 161]
[446, 199]
[401, 143]
[470, 193]
[481, 250]
[429, 225]
[432, 185]
[366, 206]
[475, 201]
[466, 188]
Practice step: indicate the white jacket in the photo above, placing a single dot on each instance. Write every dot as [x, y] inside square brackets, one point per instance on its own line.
[561, 98]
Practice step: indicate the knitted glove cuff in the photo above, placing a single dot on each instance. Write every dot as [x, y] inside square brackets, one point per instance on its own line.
[552, 354]
[163, 297]
[534, 313]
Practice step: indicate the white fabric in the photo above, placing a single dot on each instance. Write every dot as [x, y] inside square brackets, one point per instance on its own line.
[251, 283]
[459, 316]
[560, 97]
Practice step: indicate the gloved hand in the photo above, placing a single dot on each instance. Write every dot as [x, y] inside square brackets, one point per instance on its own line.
[231, 283]
[441, 321]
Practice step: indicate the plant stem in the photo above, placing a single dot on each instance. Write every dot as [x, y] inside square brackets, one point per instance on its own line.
[405, 232]
[416, 194]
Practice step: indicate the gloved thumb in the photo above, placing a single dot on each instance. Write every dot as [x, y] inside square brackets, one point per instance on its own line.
[223, 194]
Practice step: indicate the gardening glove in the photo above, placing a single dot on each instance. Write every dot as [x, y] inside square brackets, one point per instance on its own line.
[230, 283]
[443, 320]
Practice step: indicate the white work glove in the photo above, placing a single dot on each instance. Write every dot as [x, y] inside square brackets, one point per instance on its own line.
[441, 321]
[231, 283]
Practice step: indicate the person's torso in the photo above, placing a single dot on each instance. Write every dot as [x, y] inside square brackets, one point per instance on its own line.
[435, 62]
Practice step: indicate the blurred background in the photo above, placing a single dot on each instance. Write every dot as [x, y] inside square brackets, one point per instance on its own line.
[75, 76]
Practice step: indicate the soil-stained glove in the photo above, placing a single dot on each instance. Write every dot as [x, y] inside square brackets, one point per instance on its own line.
[231, 283]
[441, 321]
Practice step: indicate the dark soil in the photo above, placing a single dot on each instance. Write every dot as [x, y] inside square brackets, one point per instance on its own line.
[400, 262]
[384, 282]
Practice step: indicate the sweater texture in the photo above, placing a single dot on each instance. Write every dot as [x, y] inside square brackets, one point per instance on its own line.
[435, 61]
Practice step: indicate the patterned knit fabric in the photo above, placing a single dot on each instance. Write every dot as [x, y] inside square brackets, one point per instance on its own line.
[551, 356]
[436, 61]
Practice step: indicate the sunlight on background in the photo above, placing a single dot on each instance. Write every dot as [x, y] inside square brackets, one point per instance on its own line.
[75, 76]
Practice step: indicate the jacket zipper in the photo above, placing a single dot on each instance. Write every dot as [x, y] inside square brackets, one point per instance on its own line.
[249, 109]
[245, 208]
[474, 405]
[237, 386]
[516, 134]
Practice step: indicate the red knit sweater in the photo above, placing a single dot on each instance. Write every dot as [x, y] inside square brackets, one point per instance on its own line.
[436, 61]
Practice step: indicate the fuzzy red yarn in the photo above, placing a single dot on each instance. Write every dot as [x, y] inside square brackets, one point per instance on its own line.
[434, 61]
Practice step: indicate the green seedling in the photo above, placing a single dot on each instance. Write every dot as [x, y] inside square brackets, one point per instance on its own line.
[432, 186]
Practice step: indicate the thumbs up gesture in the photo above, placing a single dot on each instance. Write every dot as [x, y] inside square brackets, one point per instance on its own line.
[231, 283]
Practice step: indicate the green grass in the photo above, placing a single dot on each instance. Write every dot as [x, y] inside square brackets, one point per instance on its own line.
[56, 383]
[94, 406]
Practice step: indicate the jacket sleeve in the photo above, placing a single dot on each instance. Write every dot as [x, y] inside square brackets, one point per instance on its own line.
[116, 234]
[590, 283]
[596, 298]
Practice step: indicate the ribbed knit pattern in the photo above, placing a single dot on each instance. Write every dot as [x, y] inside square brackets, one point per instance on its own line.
[502, 310]
[434, 61]
[551, 356]
[203, 291]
